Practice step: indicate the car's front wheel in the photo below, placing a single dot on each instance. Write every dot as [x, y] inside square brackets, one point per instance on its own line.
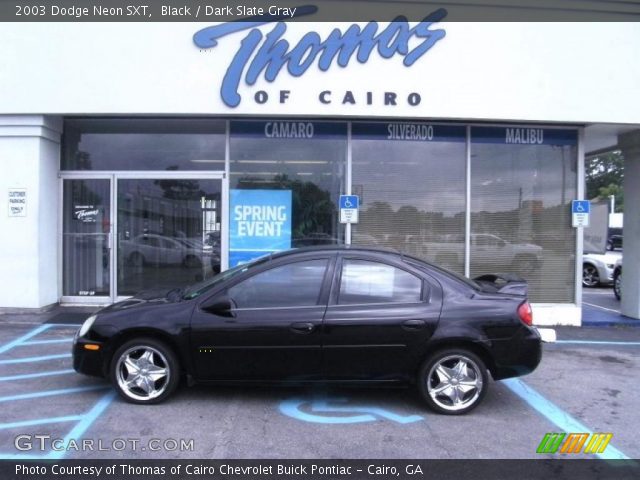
[453, 381]
[617, 284]
[145, 370]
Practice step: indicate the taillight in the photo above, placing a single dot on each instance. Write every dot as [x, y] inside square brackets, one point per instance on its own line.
[525, 313]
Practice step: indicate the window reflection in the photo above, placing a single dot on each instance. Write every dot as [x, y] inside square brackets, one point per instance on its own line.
[412, 192]
[168, 233]
[312, 168]
[521, 216]
[143, 144]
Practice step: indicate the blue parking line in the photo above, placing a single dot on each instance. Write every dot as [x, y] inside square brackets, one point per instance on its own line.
[40, 421]
[34, 359]
[597, 342]
[83, 425]
[24, 338]
[44, 342]
[36, 375]
[48, 393]
[556, 415]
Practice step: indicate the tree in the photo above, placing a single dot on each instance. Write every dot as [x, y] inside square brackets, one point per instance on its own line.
[604, 176]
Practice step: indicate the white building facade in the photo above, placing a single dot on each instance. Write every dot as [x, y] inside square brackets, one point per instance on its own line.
[152, 155]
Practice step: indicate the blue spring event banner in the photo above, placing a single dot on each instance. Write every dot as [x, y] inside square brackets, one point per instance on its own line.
[260, 223]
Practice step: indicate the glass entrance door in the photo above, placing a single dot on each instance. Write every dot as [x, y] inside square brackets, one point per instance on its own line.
[125, 235]
[168, 232]
[86, 235]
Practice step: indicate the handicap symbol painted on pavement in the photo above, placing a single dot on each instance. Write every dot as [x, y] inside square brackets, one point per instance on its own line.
[322, 409]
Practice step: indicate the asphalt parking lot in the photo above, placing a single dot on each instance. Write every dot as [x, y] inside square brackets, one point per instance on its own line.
[579, 387]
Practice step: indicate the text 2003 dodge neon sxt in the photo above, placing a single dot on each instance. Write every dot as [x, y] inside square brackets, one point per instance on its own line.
[319, 315]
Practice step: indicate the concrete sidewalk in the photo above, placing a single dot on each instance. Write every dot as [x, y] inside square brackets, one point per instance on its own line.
[56, 314]
[601, 317]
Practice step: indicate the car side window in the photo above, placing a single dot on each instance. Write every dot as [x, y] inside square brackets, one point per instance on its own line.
[365, 281]
[291, 285]
[151, 242]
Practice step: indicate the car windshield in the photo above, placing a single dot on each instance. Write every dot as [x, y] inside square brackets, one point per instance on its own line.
[198, 289]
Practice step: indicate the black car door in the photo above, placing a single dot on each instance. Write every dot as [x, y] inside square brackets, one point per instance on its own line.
[380, 316]
[272, 331]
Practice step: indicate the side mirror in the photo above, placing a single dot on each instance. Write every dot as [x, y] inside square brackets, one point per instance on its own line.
[223, 306]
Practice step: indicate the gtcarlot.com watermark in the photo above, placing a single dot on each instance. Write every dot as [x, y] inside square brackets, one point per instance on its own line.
[26, 443]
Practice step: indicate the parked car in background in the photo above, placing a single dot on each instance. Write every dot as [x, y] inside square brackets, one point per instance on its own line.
[597, 268]
[489, 252]
[614, 239]
[614, 242]
[149, 248]
[617, 279]
[319, 314]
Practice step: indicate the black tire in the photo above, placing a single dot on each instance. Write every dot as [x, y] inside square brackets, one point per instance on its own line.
[429, 379]
[590, 276]
[617, 284]
[162, 357]
[191, 261]
[526, 265]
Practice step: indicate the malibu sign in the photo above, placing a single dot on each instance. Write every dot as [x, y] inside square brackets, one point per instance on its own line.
[269, 54]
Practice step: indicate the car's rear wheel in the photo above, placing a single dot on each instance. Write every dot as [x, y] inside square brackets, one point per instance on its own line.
[191, 261]
[526, 265]
[145, 370]
[590, 276]
[453, 381]
[136, 260]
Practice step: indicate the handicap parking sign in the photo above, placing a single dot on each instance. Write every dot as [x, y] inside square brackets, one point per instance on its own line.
[580, 206]
[580, 210]
[349, 205]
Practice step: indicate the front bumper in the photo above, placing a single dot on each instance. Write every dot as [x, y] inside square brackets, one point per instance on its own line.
[88, 362]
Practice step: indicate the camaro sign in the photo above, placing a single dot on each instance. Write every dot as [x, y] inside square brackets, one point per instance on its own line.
[271, 54]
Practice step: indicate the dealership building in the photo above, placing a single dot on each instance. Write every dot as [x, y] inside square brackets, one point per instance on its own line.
[152, 155]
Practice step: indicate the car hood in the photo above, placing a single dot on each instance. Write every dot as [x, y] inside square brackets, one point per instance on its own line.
[158, 296]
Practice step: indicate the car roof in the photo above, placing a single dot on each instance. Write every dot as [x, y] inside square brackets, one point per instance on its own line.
[435, 269]
[348, 248]
[336, 248]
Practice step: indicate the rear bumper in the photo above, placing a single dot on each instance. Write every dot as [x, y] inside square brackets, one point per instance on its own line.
[517, 356]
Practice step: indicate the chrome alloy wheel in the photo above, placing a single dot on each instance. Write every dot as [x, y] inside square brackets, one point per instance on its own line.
[454, 382]
[590, 276]
[142, 372]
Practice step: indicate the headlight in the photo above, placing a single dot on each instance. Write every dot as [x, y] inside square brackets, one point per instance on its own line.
[84, 329]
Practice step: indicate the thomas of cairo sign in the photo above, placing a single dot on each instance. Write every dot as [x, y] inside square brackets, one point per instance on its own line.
[268, 55]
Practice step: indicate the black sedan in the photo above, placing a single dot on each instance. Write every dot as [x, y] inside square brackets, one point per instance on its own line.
[319, 314]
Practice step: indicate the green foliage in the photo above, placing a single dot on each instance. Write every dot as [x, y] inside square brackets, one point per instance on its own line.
[604, 176]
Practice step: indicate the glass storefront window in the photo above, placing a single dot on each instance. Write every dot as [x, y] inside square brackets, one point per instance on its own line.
[86, 227]
[411, 181]
[168, 233]
[522, 184]
[285, 181]
[307, 160]
[143, 144]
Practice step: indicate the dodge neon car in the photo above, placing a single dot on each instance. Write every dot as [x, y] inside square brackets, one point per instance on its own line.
[319, 314]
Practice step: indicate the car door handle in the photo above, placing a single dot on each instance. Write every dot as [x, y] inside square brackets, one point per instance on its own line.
[303, 327]
[414, 324]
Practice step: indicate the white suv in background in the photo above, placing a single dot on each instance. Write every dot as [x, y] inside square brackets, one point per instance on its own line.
[597, 268]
